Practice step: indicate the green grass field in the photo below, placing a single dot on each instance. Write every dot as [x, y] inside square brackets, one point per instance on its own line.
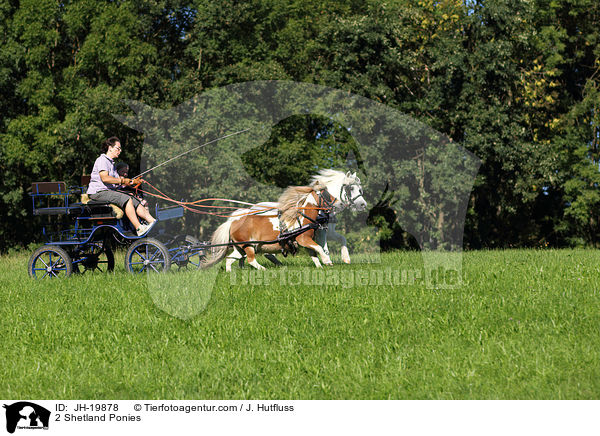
[526, 325]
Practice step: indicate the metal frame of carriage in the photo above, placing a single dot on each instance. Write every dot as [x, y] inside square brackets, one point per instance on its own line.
[87, 233]
[87, 241]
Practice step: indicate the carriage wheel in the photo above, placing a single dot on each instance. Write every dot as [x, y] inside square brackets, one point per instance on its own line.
[97, 256]
[192, 255]
[50, 261]
[147, 254]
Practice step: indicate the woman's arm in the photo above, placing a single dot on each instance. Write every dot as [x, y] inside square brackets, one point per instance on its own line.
[109, 179]
[118, 180]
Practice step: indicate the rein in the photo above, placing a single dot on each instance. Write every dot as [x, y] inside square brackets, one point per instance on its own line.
[193, 206]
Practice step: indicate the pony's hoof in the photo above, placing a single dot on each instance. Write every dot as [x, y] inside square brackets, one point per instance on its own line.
[345, 255]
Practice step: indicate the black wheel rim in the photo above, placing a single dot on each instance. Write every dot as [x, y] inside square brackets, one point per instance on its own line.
[96, 258]
[195, 258]
[188, 254]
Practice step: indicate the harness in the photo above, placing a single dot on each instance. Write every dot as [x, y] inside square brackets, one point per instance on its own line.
[325, 204]
[287, 238]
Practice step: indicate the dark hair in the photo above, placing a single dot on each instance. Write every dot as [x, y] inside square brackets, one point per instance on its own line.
[122, 169]
[110, 142]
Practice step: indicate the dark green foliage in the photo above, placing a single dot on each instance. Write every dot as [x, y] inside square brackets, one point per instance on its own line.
[514, 82]
[299, 146]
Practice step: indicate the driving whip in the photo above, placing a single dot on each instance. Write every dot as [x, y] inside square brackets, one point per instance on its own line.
[189, 151]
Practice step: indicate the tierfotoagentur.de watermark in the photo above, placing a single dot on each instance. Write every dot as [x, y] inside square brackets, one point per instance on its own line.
[347, 278]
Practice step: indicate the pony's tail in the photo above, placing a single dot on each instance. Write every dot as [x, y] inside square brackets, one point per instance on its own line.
[220, 236]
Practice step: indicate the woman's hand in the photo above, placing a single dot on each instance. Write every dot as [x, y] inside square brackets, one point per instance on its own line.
[134, 183]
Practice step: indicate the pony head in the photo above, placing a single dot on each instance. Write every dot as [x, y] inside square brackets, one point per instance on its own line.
[345, 187]
[352, 193]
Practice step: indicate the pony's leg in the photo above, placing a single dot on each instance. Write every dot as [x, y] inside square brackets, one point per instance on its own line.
[321, 239]
[273, 259]
[336, 236]
[242, 256]
[252, 258]
[306, 241]
[345, 254]
[230, 260]
[315, 259]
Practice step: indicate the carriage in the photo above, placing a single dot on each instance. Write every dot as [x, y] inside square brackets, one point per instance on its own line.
[88, 230]
[81, 236]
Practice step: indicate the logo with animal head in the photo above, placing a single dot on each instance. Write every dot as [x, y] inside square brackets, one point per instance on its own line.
[26, 415]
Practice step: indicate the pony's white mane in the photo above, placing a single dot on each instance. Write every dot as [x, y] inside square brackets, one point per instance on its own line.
[329, 176]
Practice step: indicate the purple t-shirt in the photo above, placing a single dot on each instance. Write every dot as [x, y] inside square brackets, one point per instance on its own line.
[103, 163]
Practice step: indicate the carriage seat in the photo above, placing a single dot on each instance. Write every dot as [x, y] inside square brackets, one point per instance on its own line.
[98, 207]
[52, 198]
[101, 206]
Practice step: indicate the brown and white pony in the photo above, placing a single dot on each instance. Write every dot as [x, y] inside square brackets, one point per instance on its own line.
[351, 197]
[297, 206]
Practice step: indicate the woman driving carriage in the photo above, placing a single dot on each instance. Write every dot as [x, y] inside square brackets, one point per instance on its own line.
[105, 180]
[122, 169]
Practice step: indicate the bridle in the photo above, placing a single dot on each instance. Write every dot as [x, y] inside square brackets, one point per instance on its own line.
[326, 204]
[346, 191]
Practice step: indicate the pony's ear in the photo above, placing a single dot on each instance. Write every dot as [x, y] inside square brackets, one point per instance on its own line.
[348, 174]
[354, 175]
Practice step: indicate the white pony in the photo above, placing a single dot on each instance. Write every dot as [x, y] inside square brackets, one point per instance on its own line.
[351, 193]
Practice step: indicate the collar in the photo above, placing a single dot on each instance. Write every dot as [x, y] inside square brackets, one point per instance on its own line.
[327, 198]
[109, 159]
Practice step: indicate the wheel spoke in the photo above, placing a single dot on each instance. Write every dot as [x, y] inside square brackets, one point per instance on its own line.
[42, 260]
[153, 255]
[153, 267]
